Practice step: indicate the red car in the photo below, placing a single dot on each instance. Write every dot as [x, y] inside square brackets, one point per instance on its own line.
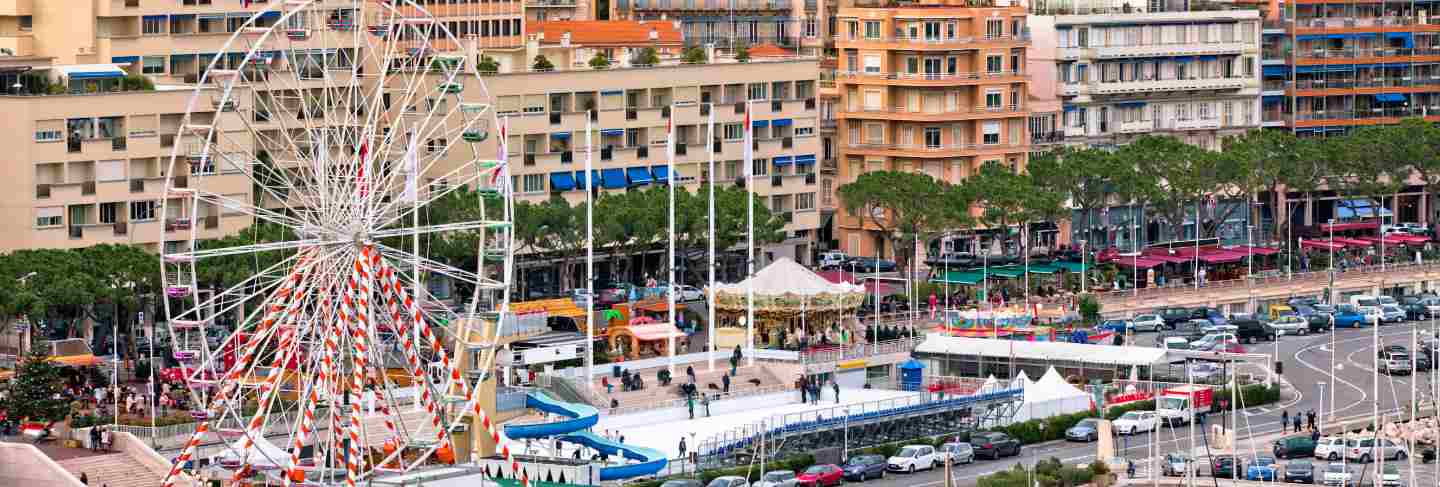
[821, 476]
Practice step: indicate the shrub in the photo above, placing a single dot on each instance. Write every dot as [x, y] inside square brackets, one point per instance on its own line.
[488, 65]
[542, 63]
[599, 61]
[742, 52]
[695, 55]
[1089, 308]
[647, 56]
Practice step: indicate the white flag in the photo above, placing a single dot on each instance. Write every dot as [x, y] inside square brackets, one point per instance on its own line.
[412, 168]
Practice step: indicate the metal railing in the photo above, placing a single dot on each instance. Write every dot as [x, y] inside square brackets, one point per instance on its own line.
[859, 351]
[682, 402]
[1262, 279]
[978, 75]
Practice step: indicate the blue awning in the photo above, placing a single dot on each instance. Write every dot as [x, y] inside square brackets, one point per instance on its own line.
[125, 59]
[580, 178]
[1070, 108]
[270, 15]
[611, 92]
[1308, 69]
[1309, 37]
[1268, 98]
[661, 173]
[1359, 208]
[612, 132]
[562, 181]
[781, 122]
[782, 160]
[1209, 58]
[805, 160]
[759, 123]
[154, 18]
[181, 17]
[90, 71]
[1408, 38]
[219, 16]
[1184, 59]
[1275, 70]
[613, 178]
[1131, 104]
[1390, 98]
[560, 135]
[638, 175]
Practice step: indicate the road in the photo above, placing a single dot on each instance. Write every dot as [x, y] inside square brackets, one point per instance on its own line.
[1306, 364]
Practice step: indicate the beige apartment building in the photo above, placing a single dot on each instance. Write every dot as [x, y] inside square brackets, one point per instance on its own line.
[938, 87]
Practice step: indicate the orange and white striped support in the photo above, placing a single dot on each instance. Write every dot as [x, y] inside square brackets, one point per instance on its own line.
[348, 315]
[231, 381]
[307, 420]
[390, 286]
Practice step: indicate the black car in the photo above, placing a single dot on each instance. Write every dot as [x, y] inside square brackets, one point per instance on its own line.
[1299, 446]
[1251, 331]
[868, 264]
[994, 445]
[1319, 320]
[1174, 316]
[1299, 472]
[864, 467]
[1223, 466]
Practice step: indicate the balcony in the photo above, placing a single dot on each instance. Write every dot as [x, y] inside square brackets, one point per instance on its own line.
[777, 180]
[176, 224]
[87, 188]
[931, 79]
[1170, 86]
[711, 5]
[1163, 50]
[607, 153]
[1348, 55]
[550, 4]
[42, 191]
[1135, 127]
[567, 157]
[809, 179]
[118, 144]
[1196, 124]
[1038, 138]
[944, 150]
[137, 185]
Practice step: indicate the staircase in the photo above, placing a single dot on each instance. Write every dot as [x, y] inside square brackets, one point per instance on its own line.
[113, 470]
[654, 394]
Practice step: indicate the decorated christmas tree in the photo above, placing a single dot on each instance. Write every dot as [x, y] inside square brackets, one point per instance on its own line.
[34, 393]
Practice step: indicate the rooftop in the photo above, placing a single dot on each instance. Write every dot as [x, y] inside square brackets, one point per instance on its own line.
[627, 33]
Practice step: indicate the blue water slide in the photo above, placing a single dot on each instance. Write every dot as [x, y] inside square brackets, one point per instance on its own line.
[574, 430]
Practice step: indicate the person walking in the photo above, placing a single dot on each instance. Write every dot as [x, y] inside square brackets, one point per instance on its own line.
[705, 401]
[1284, 418]
[690, 371]
[1297, 423]
[95, 438]
[735, 359]
[682, 447]
[690, 403]
[1310, 418]
[725, 383]
[105, 438]
[835, 386]
[804, 390]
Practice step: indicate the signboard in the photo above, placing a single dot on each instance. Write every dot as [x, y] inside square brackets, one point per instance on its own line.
[566, 351]
[1119, 399]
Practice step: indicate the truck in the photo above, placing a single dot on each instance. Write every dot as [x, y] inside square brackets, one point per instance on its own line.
[1180, 405]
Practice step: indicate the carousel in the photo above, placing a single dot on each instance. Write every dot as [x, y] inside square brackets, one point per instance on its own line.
[794, 308]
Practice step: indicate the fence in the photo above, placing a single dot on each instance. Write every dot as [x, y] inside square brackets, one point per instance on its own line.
[680, 360]
[1264, 279]
[680, 403]
[860, 350]
[175, 435]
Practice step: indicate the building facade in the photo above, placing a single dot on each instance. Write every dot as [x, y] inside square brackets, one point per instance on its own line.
[1194, 75]
[797, 25]
[939, 88]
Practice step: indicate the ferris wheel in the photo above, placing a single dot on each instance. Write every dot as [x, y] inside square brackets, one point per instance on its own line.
[327, 138]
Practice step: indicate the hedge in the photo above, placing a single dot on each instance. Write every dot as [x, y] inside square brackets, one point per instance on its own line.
[1047, 473]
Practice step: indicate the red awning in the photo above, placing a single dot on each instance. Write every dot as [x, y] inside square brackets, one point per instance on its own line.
[1354, 242]
[1167, 258]
[1139, 263]
[1414, 239]
[1221, 257]
[1321, 244]
[1389, 240]
[1245, 249]
[1341, 227]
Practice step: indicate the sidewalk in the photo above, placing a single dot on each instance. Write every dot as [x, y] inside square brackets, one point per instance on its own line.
[1238, 292]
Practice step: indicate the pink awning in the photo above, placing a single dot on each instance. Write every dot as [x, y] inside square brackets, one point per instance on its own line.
[1245, 249]
[1321, 244]
[1355, 242]
[655, 331]
[1167, 258]
[1221, 257]
[1390, 240]
[1139, 263]
[1341, 227]
[1414, 239]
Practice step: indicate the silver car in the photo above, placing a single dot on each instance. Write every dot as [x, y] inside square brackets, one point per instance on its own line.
[1148, 322]
[1290, 325]
[1392, 313]
[777, 478]
[957, 453]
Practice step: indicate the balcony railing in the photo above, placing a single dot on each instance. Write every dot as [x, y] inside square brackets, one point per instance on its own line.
[942, 148]
[1367, 113]
[975, 76]
[1047, 137]
[1357, 52]
[1166, 86]
[1396, 82]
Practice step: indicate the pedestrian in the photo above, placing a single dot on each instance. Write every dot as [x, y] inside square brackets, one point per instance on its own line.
[105, 438]
[1310, 418]
[1314, 436]
[690, 404]
[95, 438]
[1297, 423]
[84, 479]
[705, 400]
[836, 387]
[690, 371]
[804, 389]
[1284, 418]
[735, 359]
[614, 404]
[725, 383]
[682, 447]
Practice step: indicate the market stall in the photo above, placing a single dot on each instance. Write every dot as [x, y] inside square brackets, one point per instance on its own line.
[793, 307]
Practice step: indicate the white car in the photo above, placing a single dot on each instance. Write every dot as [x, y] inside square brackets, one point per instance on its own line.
[687, 293]
[1217, 329]
[1364, 450]
[1148, 322]
[729, 481]
[832, 259]
[777, 478]
[581, 297]
[913, 458]
[1290, 325]
[1205, 371]
[1390, 477]
[1213, 341]
[1337, 474]
[1330, 448]
[1136, 421]
[1176, 343]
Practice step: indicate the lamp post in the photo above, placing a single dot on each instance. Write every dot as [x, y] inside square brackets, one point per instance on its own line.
[1250, 268]
[1082, 265]
[1330, 293]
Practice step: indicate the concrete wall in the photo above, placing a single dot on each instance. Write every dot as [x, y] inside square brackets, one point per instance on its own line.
[25, 465]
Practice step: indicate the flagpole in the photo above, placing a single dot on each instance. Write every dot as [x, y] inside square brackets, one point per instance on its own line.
[589, 256]
[415, 226]
[749, 236]
[710, 304]
[670, 184]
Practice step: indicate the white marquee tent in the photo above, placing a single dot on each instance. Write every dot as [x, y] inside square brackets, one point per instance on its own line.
[1051, 396]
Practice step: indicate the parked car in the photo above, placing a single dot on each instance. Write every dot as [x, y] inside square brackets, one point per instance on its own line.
[957, 453]
[1330, 448]
[1190, 330]
[1175, 343]
[1206, 372]
[1117, 326]
[1290, 325]
[1336, 474]
[1148, 322]
[1364, 450]
[831, 260]
[1212, 314]
[1136, 421]
[1223, 466]
[1348, 316]
[912, 458]
[728, 481]
[1300, 472]
[581, 297]
[1251, 331]
[777, 478]
[864, 467]
[1262, 468]
[1414, 311]
[1174, 316]
[870, 264]
[686, 293]
[682, 483]
[1318, 318]
[1394, 362]
[1086, 430]
[1392, 313]
[994, 445]
[1390, 476]
[1298, 446]
[1176, 465]
[1215, 342]
[827, 475]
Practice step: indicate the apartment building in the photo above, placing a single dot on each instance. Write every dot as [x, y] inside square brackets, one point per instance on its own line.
[1122, 74]
[936, 87]
[1330, 66]
[629, 109]
[789, 24]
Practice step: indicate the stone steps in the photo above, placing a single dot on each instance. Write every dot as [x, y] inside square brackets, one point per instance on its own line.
[113, 470]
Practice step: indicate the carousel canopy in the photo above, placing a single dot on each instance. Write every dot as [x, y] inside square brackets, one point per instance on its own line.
[784, 276]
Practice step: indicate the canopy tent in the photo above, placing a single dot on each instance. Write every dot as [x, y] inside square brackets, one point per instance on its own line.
[1139, 262]
[1221, 257]
[1021, 381]
[1321, 244]
[1052, 396]
[791, 303]
[1249, 250]
[991, 385]
[1353, 242]
[261, 454]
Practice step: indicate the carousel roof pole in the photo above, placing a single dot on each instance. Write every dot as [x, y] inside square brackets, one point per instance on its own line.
[749, 236]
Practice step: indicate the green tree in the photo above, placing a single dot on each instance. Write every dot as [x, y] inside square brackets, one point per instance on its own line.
[1267, 159]
[1422, 148]
[1185, 176]
[902, 206]
[35, 390]
[692, 221]
[1373, 162]
[633, 221]
[487, 65]
[542, 64]
[1088, 176]
[599, 61]
[742, 52]
[695, 55]
[646, 57]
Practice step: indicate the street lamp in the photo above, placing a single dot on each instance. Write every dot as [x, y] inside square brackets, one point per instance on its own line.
[1330, 294]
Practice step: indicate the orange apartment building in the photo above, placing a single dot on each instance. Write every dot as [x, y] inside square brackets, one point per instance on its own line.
[938, 87]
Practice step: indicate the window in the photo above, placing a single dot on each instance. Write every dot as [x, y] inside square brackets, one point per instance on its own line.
[1082, 37]
[827, 190]
[994, 64]
[152, 25]
[993, 100]
[872, 100]
[952, 66]
[49, 216]
[872, 64]
[994, 28]
[534, 183]
[109, 212]
[434, 145]
[805, 201]
[758, 166]
[932, 137]
[804, 131]
[1205, 111]
[874, 133]
[932, 31]
[142, 210]
[854, 134]
[1249, 63]
[153, 65]
[757, 91]
[992, 132]
[26, 23]
[872, 29]
[1015, 59]
[733, 131]
[811, 27]
[1082, 73]
[852, 61]
[49, 135]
